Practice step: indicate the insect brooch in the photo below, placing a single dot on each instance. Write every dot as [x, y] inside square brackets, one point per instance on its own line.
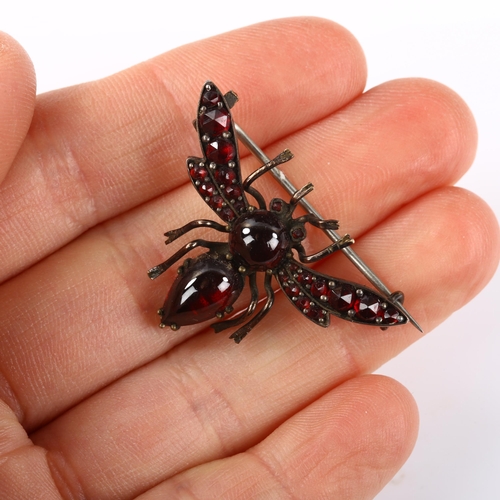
[259, 239]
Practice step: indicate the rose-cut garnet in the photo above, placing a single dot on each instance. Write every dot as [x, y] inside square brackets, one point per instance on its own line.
[228, 214]
[315, 312]
[206, 189]
[292, 290]
[220, 151]
[239, 205]
[198, 172]
[303, 304]
[225, 175]
[342, 297]
[214, 122]
[232, 191]
[368, 307]
[305, 278]
[319, 288]
[216, 202]
[390, 315]
[210, 98]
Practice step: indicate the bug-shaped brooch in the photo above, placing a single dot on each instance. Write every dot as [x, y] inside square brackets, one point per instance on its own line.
[261, 239]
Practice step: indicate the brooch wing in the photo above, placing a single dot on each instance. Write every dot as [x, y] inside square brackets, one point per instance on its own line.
[217, 176]
[317, 296]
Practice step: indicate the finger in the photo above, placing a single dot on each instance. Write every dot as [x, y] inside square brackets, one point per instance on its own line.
[209, 398]
[348, 444]
[24, 472]
[17, 100]
[97, 282]
[101, 148]
[391, 145]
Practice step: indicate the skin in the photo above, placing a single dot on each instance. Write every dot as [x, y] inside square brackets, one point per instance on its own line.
[97, 401]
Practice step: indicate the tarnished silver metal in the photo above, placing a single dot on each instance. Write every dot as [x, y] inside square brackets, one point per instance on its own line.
[348, 251]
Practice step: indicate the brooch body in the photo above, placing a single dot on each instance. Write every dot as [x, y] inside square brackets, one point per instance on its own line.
[260, 238]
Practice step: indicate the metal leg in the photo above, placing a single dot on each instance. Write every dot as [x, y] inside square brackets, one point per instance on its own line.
[283, 157]
[239, 334]
[176, 233]
[156, 271]
[308, 259]
[300, 193]
[317, 222]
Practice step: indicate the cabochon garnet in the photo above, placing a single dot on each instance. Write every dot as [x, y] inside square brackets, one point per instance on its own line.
[260, 238]
[205, 288]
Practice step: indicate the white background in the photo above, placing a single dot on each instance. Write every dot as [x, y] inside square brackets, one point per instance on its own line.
[454, 372]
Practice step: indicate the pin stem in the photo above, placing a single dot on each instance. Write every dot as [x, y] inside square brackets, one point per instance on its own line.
[348, 251]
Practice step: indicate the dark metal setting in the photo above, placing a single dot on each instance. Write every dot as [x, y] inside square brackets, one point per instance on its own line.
[260, 239]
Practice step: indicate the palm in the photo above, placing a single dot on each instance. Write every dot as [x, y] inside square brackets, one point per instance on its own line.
[125, 408]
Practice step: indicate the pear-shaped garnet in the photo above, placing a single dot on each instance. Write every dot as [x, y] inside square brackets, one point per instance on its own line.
[205, 288]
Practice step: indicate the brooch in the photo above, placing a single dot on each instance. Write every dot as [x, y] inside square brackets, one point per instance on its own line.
[263, 238]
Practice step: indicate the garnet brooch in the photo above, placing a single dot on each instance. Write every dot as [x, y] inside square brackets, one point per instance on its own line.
[259, 239]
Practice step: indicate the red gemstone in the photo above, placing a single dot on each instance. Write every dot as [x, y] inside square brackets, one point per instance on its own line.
[319, 288]
[368, 307]
[216, 202]
[303, 304]
[322, 315]
[214, 122]
[259, 238]
[227, 214]
[224, 175]
[239, 206]
[206, 189]
[305, 278]
[208, 286]
[391, 315]
[292, 290]
[342, 297]
[220, 151]
[232, 191]
[315, 312]
[198, 172]
[210, 98]
[298, 233]
[277, 205]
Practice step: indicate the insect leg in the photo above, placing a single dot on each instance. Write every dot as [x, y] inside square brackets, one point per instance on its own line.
[300, 193]
[317, 222]
[156, 271]
[283, 157]
[223, 325]
[308, 259]
[239, 334]
[176, 233]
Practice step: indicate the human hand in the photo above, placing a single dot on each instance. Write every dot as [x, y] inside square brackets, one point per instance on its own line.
[114, 406]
